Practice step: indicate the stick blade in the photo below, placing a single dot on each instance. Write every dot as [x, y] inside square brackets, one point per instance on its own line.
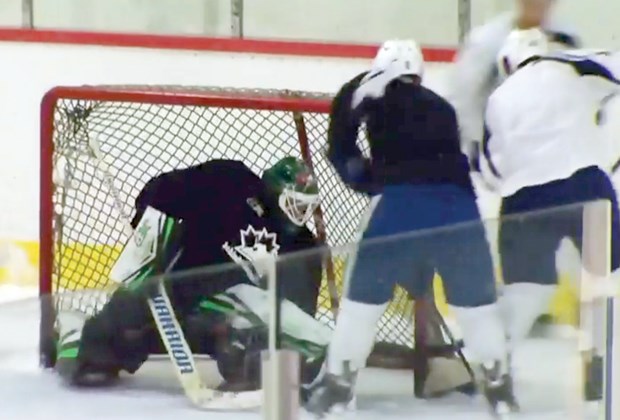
[229, 401]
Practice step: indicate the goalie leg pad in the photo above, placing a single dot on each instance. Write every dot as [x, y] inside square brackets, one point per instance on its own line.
[119, 337]
[72, 365]
[242, 313]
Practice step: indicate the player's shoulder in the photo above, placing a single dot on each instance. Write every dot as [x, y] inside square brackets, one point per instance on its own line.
[226, 165]
[349, 87]
[340, 107]
[437, 101]
[221, 175]
[513, 90]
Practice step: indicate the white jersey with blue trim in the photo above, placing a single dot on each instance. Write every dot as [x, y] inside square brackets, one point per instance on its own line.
[474, 74]
[542, 122]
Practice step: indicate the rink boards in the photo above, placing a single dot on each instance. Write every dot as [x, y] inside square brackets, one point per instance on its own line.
[19, 262]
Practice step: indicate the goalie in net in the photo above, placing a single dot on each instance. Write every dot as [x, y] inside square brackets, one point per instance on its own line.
[227, 213]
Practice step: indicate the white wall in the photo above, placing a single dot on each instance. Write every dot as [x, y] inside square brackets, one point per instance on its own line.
[598, 21]
[209, 17]
[10, 13]
[430, 21]
[29, 70]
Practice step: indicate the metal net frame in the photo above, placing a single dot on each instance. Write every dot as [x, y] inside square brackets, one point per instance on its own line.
[143, 131]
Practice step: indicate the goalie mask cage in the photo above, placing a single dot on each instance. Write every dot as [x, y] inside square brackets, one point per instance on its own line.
[143, 131]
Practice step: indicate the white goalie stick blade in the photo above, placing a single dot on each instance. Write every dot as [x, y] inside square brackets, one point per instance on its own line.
[211, 400]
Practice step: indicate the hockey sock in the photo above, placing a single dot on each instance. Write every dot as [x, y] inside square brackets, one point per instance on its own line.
[483, 332]
[521, 304]
[354, 335]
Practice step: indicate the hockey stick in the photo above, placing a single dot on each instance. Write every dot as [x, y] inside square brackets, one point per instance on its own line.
[442, 322]
[168, 325]
[319, 220]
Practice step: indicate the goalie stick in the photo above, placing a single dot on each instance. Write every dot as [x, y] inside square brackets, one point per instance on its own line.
[168, 325]
[319, 221]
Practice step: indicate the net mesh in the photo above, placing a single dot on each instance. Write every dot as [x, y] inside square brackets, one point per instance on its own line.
[144, 131]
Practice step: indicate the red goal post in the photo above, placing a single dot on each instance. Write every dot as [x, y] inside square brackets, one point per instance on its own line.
[146, 130]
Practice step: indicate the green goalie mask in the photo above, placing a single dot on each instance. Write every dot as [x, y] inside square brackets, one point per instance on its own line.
[297, 190]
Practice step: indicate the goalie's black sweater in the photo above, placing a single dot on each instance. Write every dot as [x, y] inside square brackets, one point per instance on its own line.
[413, 136]
[218, 201]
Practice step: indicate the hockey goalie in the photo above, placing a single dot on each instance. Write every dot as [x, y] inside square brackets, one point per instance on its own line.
[213, 213]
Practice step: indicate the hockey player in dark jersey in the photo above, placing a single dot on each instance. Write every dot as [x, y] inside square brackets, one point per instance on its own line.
[222, 204]
[420, 180]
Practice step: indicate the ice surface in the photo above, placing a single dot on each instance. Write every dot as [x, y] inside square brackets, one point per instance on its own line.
[545, 372]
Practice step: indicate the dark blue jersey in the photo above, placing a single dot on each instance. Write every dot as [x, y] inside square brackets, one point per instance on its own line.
[219, 201]
[412, 132]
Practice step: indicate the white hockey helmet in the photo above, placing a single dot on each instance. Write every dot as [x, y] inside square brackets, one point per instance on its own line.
[395, 58]
[400, 57]
[519, 46]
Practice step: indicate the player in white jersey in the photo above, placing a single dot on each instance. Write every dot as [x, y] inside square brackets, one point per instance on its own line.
[475, 75]
[543, 148]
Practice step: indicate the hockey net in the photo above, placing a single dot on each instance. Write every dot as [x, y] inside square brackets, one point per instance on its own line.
[144, 131]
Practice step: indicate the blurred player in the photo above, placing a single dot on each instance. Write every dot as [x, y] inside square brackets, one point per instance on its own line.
[543, 148]
[417, 167]
[228, 213]
[475, 74]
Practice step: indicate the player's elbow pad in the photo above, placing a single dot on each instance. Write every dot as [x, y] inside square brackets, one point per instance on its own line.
[348, 168]
[356, 173]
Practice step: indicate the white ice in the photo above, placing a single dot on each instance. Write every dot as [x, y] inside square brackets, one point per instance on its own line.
[545, 381]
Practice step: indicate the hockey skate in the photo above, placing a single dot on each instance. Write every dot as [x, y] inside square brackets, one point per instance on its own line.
[331, 393]
[593, 386]
[498, 390]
